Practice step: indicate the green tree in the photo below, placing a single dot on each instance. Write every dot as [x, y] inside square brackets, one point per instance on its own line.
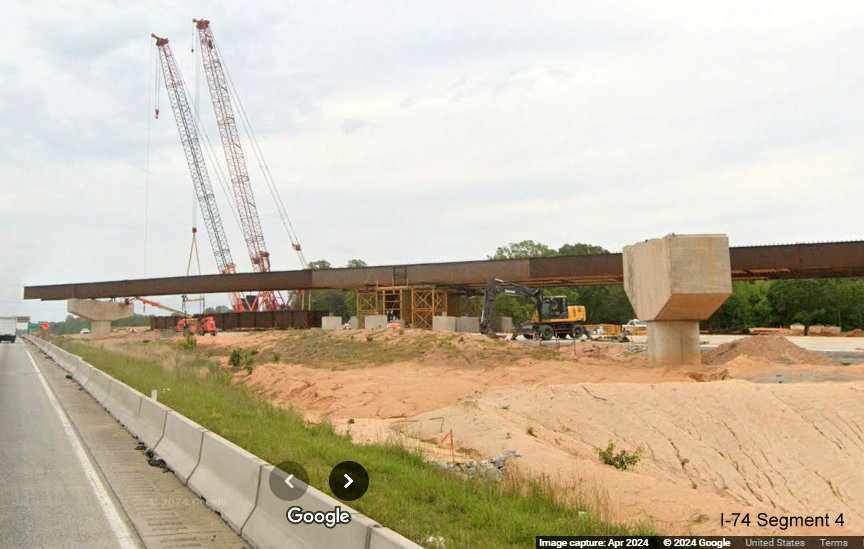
[579, 248]
[72, 325]
[335, 302]
[520, 250]
[319, 264]
[134, 320]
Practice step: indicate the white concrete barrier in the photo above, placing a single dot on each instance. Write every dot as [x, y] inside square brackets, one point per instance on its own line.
[375, 322]
[123, 402]
[444, 323]
[100, 384]
[385, 538]
[331, 322]
[227, 477]
[84, 374]
[149, 424]
[470, 324]
[180, 446]
[268, 526]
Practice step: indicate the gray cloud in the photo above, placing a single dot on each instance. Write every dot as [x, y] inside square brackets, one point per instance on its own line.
[431, 131]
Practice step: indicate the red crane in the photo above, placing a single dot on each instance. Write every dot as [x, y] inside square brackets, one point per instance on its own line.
[220, 95]
[197, 168]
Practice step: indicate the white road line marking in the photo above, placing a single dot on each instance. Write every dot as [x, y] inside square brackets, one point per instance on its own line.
[124, 537]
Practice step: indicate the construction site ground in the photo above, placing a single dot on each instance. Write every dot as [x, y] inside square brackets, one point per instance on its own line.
[763, 426]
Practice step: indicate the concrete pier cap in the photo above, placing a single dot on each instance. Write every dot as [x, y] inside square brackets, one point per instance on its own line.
[99, 313]
[673, 283]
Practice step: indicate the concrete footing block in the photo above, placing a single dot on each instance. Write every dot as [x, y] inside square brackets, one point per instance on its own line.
[375, 322]
[470, 324]
[444, 323]
[331, 322]
[353, 323]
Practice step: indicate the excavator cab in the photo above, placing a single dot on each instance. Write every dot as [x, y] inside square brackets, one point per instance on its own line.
[554, 307]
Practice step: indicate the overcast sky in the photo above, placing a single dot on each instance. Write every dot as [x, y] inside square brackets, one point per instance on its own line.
[402, 132]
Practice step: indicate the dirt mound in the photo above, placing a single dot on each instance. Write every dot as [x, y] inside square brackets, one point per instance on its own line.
[779, 449]
[714, 374]
[770, 347]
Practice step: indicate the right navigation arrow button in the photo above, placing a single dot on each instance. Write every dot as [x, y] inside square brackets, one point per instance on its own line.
[350, 480]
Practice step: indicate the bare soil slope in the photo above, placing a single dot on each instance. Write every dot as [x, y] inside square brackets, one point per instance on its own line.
[764, 426]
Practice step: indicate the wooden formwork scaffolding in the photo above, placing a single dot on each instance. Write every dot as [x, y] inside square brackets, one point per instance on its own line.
[416, 305]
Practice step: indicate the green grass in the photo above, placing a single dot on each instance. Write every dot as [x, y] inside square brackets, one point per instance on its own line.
[406, 494]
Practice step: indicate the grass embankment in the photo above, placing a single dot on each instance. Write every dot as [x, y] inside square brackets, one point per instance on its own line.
[406, 494]
[350, 349]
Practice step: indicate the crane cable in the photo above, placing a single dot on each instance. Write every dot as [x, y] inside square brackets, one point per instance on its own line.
[152, 74]
[262, 163]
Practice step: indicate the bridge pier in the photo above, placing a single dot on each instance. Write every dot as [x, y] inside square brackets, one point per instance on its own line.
[673, 283]
[99, 313]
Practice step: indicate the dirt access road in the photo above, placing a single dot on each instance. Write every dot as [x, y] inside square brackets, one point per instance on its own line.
[767, 427]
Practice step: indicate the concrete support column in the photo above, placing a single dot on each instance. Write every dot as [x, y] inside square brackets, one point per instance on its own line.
[673, 283]
[673, 342]
[99, 313]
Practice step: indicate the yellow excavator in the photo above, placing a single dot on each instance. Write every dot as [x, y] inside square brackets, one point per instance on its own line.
[552, 317]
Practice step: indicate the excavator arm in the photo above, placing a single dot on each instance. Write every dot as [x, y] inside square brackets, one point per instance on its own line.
[496, 286]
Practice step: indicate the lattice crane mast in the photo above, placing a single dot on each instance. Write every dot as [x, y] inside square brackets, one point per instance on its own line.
[220, 95]
[197, 168]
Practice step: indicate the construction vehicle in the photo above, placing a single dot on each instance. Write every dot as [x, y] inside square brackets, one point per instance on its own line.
[635, 327]
[552, 317]
[197, 326]
[188, 323]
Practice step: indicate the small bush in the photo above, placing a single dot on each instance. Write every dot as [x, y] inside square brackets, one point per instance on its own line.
[242, 358]
[189, 342]
[275, 356]
[623, 460]
[530, 431]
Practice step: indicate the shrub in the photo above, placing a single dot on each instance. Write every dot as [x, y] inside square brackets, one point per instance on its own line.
[242, 358]
[623, 460]
[189, 342]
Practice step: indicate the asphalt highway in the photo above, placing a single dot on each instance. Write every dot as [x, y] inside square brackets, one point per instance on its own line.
[71, 476]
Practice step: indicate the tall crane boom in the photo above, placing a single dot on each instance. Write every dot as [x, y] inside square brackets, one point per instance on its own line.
[240, 184]
[197, 169]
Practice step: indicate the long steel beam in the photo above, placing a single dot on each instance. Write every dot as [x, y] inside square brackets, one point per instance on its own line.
[826, 260]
